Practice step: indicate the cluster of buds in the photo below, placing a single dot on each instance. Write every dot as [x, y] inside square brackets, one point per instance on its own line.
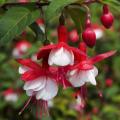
[89, 36]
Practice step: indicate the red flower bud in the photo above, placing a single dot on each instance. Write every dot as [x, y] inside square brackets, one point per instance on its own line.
[107, 18]
[95, 110]
[109, 82]
[89, 36]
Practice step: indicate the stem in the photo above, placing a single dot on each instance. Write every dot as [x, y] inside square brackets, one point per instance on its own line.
[38, 4]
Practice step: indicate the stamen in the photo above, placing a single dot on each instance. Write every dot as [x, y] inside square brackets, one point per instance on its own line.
[27, 103]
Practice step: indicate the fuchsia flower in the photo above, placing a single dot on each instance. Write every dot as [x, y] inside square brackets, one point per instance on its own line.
[10, 95]
[23, 1]
[85, 71]
[40, 23]
[60, 54]
[109, 82]
[40, 80]
[21, 48]
[73, 36]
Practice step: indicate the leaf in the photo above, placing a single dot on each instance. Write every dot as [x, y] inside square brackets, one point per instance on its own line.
[55, 7]
[78, 15]
[15, 21]
[113, 3]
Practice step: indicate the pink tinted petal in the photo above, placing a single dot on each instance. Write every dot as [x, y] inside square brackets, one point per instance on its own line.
[95, 71]
[101, 57]
[31, 85]
[49, 91]
[90, 77]
[60, 57]
[29, 92]
[77, 78]
[29, 63]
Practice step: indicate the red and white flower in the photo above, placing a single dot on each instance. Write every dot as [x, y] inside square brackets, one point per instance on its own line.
[21, 48]
[10, 95]
[40, 23]
[73, 36]
[85, 71]
[40, 81]
[60, 54]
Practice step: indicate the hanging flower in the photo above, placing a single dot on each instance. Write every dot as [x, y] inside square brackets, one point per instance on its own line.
[60, 54]
[109, 82]
[40, 23]
[21, 48]
[85, 71]
[40, 81]
[73, 35]
[10, 95]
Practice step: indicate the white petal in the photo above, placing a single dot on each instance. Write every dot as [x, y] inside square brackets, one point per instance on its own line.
[23, 48]
[77, 79]
[16, 53]
[49, 91]
[11, 97]
[73, 72]
[22, 69]
[79, 99]
[90, 77]
[29, 92]
[99, 33]
[95, 71]
[42, 27]
[61, 57]
[38, 83]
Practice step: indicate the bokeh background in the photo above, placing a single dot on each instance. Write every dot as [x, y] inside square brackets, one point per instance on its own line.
[103, 102]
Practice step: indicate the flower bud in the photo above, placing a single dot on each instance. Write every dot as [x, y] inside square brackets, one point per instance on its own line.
[107, 18]
[89, 36]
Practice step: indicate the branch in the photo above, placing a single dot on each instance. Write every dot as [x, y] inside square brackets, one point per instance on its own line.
[37, 4]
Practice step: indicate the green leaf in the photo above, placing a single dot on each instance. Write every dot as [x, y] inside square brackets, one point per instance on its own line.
[55, 7]
[78, 15]
[113, 3]
[15, 21]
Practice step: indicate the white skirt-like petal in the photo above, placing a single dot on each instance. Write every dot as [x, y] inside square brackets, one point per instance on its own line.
[36, 84]
[79, 77]
[49, 91]
[61, 57]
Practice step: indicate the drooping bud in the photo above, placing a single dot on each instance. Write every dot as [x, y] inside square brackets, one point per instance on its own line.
[89, 36]
[107, 18]
[109, 82]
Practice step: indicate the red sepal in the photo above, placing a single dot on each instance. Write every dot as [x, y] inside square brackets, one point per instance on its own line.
[31, 75]
[101, 57]
[28, 63]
